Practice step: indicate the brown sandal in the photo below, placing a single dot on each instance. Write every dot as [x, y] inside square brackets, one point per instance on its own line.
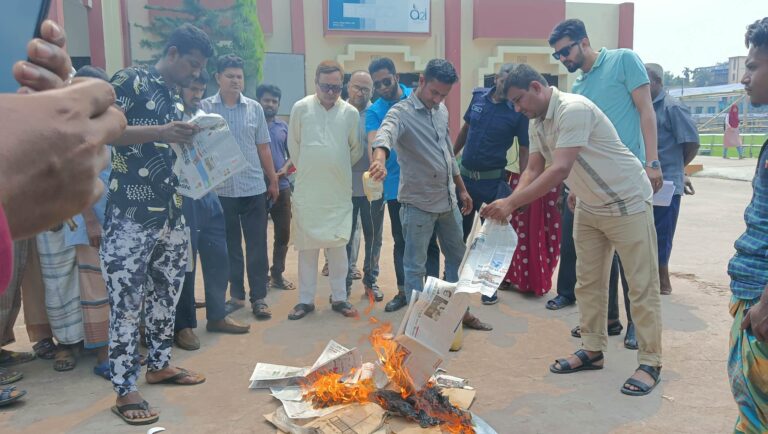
[345, 308]
[300, 311]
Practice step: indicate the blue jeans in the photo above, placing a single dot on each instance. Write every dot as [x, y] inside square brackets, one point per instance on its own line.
[205, 219]
[418, 227]
[433, 251]
[665, 218]
[372, 220]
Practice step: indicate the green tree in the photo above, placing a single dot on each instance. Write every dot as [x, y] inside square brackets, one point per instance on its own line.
[233, 29]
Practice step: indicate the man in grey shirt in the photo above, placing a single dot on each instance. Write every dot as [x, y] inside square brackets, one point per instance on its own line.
[244, 197]
[417, 128]
[678, 142]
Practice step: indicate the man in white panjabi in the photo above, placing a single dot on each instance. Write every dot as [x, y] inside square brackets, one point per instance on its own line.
[324, 144]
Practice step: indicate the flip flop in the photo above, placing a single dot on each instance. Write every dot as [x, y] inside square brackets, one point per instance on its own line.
[143, 405]
[558, 303]
[587, 364]
[102, 370]
[175, 379]
[281, 284]
[45, 349]
[64, 361]
[10, 358]
[654, 372]
[10, 395]
[8, 376]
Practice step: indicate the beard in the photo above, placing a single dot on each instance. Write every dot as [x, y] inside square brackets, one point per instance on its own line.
[270, 113]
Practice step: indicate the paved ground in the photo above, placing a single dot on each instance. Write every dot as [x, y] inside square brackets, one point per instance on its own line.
[509, 366]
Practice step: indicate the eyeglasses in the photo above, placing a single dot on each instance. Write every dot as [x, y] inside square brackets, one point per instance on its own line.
[565, 51]
[385, 82]
[363, 90]
[329, 88]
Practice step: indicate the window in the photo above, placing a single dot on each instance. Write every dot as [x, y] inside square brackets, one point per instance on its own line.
[698, 110]
[710, 110]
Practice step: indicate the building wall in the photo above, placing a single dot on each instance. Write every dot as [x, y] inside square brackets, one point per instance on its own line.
[113, 40]
[76, 26]
[280, 39]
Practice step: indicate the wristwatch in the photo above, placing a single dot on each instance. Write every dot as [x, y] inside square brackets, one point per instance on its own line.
[655, 164]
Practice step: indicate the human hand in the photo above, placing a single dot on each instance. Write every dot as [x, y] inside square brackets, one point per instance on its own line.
[49, 65]
[178, 132]
[756, 319]
[572, 202]
[498, 210]
[688, 186]
[654, 175]
[377, 170]
[52, 152]
[466, 202]
[282, 172]
[273, 192]
[93, 229]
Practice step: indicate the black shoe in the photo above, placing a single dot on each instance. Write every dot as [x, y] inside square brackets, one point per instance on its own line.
[614, 329]
[375, 291]
[396, 303]
[490, 300]
[630, 341]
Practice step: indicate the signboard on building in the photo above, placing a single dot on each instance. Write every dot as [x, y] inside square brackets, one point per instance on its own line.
[399, 16]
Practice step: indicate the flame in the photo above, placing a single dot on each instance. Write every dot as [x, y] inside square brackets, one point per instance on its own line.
[328, 389]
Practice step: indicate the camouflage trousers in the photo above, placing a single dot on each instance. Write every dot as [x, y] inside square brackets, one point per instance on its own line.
[144, 271]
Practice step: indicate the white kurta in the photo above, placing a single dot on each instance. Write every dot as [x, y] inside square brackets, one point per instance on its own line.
[323, 145]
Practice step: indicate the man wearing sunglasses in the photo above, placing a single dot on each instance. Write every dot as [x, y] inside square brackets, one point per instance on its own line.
[617, 82]
[324, 143]
[386, 84]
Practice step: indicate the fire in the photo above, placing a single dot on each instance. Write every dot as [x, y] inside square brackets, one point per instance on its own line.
[329, 389]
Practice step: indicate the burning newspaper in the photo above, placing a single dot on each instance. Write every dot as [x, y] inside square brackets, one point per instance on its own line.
[212, 158]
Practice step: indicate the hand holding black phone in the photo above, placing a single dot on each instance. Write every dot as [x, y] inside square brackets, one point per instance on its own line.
[19, 23]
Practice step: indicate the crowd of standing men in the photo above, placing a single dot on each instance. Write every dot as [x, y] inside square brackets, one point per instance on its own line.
[122, 272]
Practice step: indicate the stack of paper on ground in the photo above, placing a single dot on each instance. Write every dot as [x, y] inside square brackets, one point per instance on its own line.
[212, 158]
[490, 248]
[284, 381]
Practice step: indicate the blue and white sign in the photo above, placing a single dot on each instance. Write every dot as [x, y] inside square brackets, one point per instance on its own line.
[401, 16]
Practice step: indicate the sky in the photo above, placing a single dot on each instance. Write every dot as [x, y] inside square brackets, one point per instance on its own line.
[680, 33]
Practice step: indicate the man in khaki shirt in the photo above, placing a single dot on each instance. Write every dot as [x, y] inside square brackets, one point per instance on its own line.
[611, 196]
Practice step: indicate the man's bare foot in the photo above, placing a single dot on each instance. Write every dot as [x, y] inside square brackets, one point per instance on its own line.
[135, 398]
[642, 377]
[666, 284]
[182, 376]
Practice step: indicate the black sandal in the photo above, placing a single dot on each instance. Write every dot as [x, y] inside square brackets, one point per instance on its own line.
[587, 364]
[630, 340]
[300, 311]
[614, 329]
[143, 406]
[559, 302]
[45, 349]
[654, 372]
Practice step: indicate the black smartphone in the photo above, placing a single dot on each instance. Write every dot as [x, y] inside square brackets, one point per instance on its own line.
[19, 22]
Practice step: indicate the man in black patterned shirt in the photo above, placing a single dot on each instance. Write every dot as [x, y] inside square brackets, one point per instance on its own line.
[145, 243]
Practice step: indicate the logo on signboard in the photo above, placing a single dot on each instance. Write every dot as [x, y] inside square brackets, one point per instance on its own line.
[418, 15]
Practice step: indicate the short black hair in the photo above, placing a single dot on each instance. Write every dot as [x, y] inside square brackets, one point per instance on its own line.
[93, 72]
[757, 34]
[203, 78]
[229, 61]
[186, 38]
[270, 89]
[572, 28]
[440, 70]
[382, 63]
[521, 76]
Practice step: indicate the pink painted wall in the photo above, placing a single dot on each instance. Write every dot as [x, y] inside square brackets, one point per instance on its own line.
[626, 25]
[125, 29]
[297, 27]
[516, 19]
[453, 55]
[56, 12]
[96, 33]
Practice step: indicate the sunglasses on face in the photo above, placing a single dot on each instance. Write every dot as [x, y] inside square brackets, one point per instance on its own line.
[565, 51]
[329, 88]
[385, 82]
[362, 90]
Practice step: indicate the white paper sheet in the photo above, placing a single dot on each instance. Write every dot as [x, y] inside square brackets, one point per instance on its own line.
[663, 197]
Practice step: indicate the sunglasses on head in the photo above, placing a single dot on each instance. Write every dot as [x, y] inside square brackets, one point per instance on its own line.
[333, 88]
[385, 82]
[565, 51]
